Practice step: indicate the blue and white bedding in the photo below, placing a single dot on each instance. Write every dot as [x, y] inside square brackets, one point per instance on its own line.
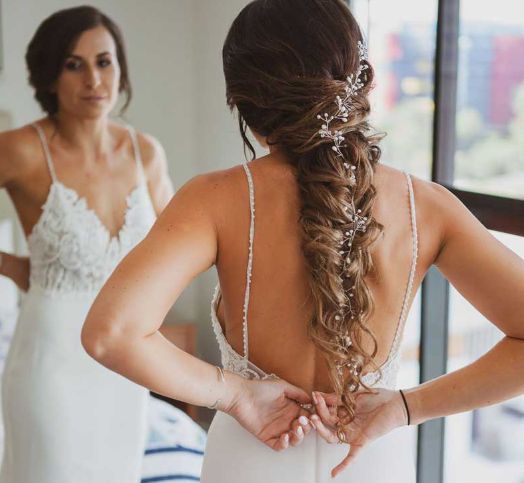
[175, 447]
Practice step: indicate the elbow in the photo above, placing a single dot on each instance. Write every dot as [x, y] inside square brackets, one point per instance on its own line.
[99, 343]
[91, 346]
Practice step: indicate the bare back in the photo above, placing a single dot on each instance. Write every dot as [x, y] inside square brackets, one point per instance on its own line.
[279, 304]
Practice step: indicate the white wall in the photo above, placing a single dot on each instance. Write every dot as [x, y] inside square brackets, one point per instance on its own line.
[174, 50]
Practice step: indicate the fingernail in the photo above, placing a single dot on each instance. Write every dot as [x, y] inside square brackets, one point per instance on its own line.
[315, 398]
[300, 431]
[303, 420]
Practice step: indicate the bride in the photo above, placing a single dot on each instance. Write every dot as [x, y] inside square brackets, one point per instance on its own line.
[319, 251]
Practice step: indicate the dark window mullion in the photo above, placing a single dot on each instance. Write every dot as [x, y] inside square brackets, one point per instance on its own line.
[433, 362]
[445, 95]
[435, 289]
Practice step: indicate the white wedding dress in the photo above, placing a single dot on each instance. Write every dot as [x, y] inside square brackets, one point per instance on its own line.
[233, 455]
[67, 418]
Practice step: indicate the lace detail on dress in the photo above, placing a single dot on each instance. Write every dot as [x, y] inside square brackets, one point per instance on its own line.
[231, 359]
[70, 249]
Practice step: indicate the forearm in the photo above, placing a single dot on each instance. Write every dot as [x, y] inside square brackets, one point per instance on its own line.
[15, 268]
[495, 377]
[155, 363]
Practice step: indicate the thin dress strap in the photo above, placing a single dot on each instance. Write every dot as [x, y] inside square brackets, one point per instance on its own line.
[47, 152]
[136, 150]
[414, 256]
[249, 259]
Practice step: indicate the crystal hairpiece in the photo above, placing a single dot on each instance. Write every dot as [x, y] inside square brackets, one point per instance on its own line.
[355, 221]
[344, 105]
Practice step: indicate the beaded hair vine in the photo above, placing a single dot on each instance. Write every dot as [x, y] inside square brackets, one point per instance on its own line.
[356, 222]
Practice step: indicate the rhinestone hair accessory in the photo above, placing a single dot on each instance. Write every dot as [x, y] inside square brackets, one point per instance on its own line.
[356, 222]
[344, 106]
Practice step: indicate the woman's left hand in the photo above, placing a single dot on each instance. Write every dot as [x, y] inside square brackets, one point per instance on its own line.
[376, 414]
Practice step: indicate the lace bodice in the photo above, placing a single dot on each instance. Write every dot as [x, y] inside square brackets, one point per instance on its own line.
[70, 249]
[232, 361]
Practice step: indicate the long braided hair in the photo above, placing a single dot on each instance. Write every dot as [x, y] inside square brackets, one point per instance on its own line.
[297, 73]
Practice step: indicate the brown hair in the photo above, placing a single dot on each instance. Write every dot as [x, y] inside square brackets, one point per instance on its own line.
[52, 44]
[285, 61]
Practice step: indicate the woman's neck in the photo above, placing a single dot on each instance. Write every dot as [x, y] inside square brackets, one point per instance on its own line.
[89, 135]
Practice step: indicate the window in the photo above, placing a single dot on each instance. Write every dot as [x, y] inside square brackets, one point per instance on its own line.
[490, 98]
[487, 444]
[401, 38]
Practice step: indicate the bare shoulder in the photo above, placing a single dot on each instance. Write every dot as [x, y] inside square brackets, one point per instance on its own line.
[434, 205]
[20, 153]
[217, 188]
[440, 204]
[428, 195]
[212, 196]
[152, 153]
[156, 170]
[441, 213]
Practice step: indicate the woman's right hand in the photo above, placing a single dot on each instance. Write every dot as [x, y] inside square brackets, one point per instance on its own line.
[271, 411]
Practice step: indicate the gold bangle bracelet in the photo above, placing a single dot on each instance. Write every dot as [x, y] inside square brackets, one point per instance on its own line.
[221, 377]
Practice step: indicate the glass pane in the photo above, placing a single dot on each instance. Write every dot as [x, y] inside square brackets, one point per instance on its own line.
[490, 98]
[485, 445]
[401, 37]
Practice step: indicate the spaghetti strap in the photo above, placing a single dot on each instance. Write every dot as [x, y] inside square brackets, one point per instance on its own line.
[249, 271]
[47, 152]
[414, 231]
[414, 255]
[414, 238]
[136, 150]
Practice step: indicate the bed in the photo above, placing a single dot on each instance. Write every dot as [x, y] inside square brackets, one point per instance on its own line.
[175, 447]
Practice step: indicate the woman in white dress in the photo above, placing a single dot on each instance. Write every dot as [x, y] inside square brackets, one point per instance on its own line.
[319, 251]
[86, 190]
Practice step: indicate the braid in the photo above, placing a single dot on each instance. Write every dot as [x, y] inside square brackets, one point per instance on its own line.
[343, 302]
[297, 72]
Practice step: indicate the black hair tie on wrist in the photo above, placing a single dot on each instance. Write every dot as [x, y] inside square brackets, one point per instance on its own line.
[405, 404]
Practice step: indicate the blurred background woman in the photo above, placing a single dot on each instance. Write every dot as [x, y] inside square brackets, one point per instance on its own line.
[86, 189]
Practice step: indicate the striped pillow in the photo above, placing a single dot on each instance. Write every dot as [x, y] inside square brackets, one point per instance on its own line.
[175, 447]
